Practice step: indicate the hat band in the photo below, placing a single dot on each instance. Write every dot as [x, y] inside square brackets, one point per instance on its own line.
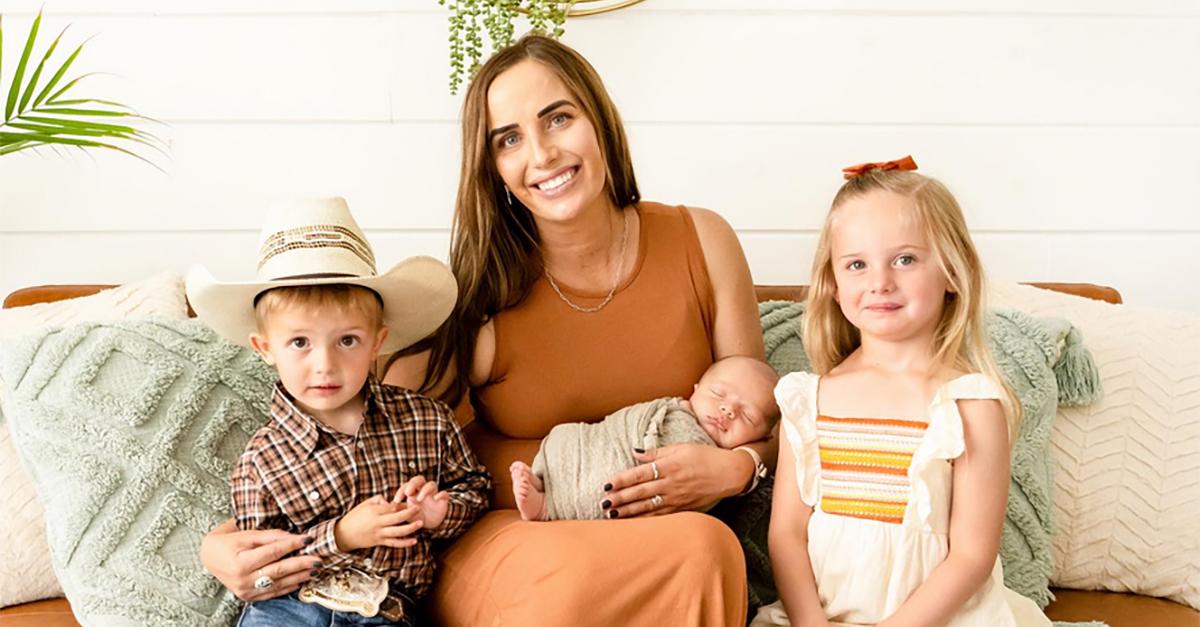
[315, 237]
[317, 275]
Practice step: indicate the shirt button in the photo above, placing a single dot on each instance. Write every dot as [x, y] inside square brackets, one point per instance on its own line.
[412, 464]
[314, 495]
[367, 562]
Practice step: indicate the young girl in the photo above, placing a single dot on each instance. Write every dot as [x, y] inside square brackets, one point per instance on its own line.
[905, 409]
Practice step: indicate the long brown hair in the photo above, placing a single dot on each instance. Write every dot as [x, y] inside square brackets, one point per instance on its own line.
[494, 246]
[960, 339]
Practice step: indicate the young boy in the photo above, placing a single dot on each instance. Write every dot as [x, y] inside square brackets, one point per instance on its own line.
[733, 404]
[371, 472]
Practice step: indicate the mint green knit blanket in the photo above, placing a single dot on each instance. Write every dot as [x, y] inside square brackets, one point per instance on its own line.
[1044, 361]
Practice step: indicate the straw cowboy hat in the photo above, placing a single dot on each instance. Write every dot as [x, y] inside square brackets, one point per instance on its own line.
[317, 242]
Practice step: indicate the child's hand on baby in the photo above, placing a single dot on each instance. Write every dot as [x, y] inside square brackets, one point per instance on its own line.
[426, 498]
[378, 522]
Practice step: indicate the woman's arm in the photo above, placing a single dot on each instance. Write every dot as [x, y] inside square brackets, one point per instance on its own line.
[236, 558]
[787, 539]
[980, 488]
[736, 329]
[692, 476]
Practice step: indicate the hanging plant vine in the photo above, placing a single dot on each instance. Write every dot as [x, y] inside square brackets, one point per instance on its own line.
[470, 19]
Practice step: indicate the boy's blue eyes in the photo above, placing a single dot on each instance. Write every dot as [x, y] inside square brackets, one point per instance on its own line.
[300, 343]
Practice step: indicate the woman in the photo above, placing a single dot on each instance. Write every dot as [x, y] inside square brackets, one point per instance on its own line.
[575, 299]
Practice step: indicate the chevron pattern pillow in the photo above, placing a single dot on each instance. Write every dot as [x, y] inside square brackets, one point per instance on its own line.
[130, 430]
[1127, 476]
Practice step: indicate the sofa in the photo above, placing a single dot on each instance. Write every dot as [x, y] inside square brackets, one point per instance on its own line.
[1117, 609]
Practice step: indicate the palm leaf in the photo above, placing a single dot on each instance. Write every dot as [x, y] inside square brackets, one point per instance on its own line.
[50, 129]
[13, 147]
[16, 86]
[59, 74]
[88, 128]
[38, 74]
[87, 100]
[54, 119]
[91, 112]
[50, 139]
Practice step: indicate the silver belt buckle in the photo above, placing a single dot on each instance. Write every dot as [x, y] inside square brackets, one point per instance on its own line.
[347, 590]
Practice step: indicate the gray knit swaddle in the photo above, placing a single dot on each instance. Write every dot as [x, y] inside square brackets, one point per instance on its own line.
[576, 458]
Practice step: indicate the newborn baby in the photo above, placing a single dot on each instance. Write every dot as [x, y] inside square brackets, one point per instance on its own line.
[733, 404]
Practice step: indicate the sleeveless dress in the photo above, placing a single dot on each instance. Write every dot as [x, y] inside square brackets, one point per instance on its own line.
[555, 365]
[880, 491]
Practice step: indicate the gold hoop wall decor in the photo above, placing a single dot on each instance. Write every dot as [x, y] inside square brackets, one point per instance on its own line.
[470, 19]
[608, 6]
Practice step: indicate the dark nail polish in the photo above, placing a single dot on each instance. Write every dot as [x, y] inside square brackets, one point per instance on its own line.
[612, 513]
[309, 539]
[606, 504]
[313, 573]
[639, 450]
[608, 487]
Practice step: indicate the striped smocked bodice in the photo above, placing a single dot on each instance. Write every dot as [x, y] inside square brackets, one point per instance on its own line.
[864, 466]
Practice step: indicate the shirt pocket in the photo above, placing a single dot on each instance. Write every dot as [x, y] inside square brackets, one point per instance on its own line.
[314, 491]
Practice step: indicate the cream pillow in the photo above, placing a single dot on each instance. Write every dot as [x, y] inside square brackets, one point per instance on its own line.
[25, 571]
[1127, 482]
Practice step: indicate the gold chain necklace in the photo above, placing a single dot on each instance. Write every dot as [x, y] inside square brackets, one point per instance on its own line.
[616, 275]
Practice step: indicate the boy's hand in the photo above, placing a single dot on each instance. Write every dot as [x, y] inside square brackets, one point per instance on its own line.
[377, 522]
[424, 495]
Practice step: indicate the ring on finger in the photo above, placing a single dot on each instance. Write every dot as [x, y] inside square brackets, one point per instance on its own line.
[264, 581]
[657, 501]
[654, 469]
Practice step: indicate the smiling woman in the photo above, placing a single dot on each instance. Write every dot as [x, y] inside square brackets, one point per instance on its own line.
[577, 298]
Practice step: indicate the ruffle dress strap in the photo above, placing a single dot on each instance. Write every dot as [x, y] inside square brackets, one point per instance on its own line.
[796, 394]
[944, 435]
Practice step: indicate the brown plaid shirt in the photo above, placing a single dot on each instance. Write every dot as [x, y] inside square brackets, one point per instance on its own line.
[301, 476]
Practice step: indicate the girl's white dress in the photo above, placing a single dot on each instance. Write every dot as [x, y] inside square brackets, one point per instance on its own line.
[866, 567]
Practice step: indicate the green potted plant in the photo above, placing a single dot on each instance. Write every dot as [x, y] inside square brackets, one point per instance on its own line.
[40, 114]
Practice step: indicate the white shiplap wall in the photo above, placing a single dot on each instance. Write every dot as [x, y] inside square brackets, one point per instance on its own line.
[1069, 130]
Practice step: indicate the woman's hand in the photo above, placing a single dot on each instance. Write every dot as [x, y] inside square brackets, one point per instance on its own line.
[236, 558]
[690, 477]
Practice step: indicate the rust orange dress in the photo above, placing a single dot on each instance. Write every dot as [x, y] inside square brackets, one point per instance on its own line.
[554, 365]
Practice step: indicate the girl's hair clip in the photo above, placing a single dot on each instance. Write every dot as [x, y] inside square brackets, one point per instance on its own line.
[903, 163]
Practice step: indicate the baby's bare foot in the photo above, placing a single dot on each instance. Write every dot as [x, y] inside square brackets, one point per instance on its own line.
[527, 490]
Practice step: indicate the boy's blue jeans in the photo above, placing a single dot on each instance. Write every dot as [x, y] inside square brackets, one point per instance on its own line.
[290, 610]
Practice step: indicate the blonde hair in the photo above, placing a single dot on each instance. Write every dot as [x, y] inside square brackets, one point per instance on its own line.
[494, 246]
[960, 338]
[339, 297]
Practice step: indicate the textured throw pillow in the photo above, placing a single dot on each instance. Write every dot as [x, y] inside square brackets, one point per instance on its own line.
[25, 571]
[1127, 481]
[1028, 351]
[130, 430]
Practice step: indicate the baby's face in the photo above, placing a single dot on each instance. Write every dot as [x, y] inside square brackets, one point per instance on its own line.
[734, 404]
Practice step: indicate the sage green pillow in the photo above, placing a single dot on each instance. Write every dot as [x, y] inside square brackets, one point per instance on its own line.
[1044, 362]
[130, 430]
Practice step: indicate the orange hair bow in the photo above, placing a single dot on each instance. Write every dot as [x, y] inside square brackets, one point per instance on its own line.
[903, 163]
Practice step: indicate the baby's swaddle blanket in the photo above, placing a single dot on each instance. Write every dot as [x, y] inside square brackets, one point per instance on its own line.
[577, 458]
